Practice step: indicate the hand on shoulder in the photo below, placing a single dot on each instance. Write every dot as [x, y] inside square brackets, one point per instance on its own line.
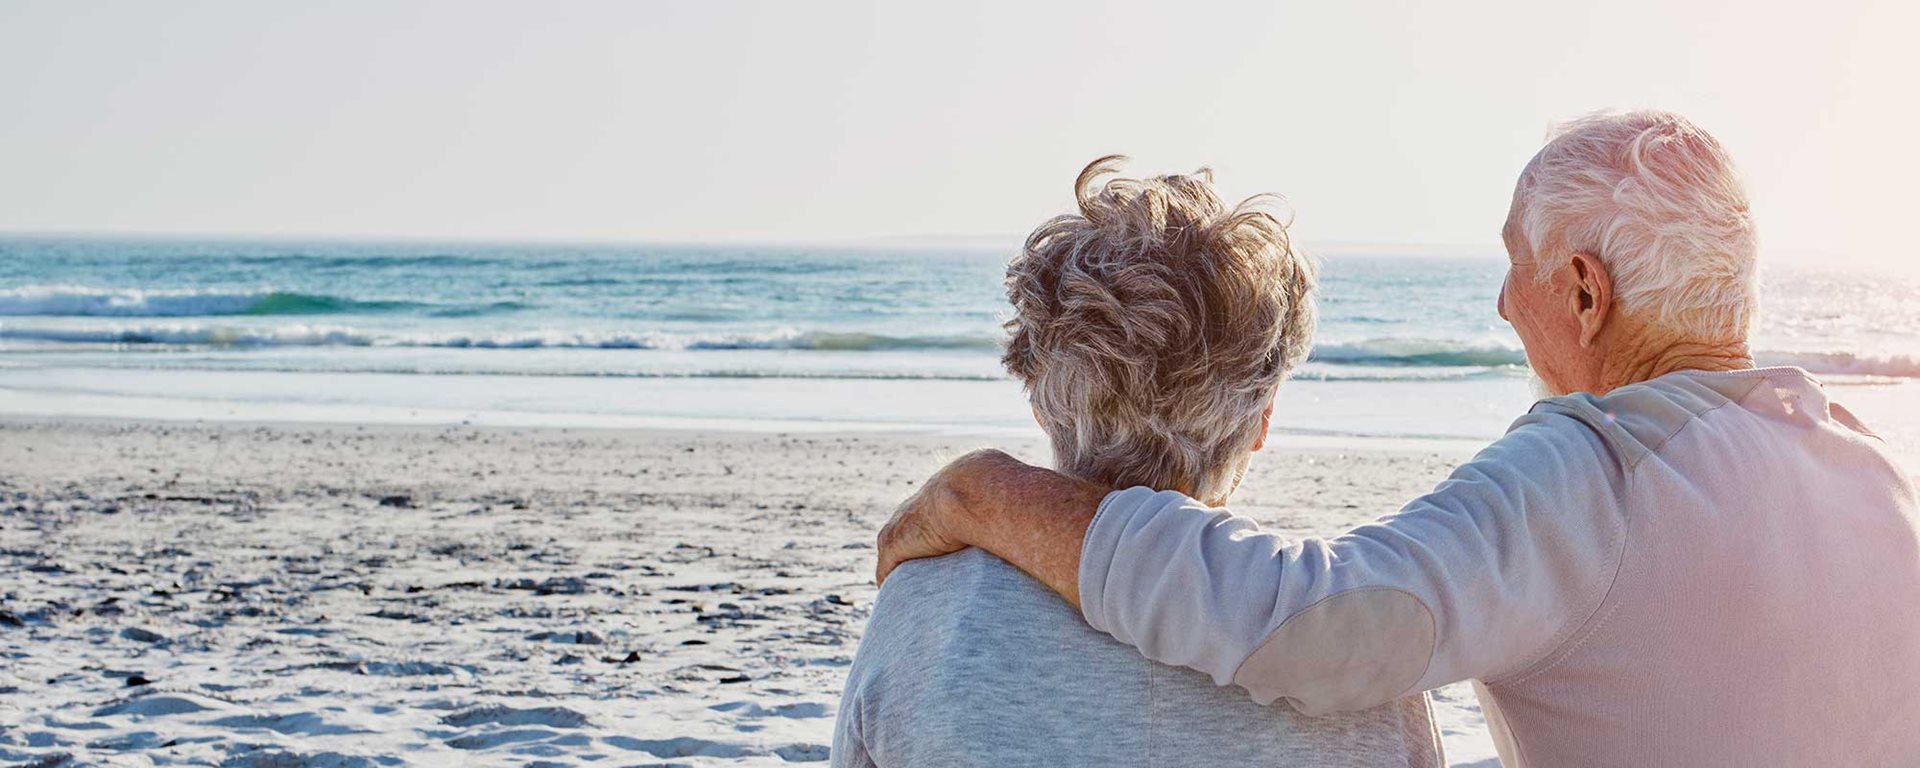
[930, 523]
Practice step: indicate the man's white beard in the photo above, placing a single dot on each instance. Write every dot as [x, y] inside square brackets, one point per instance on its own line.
[1540, 389]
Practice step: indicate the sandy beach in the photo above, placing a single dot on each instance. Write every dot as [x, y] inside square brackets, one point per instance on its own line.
[468, 384]
[360, 595]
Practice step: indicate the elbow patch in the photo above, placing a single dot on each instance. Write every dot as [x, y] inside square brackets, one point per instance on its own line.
[1351, 651]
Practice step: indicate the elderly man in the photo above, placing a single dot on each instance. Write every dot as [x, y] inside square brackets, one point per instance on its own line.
[966, 661]
[1680, 559]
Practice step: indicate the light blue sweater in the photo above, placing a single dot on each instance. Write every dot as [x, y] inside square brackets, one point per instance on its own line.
[968, 662]
[1703, 569]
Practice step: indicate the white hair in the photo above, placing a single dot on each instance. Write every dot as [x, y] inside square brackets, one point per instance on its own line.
[1657, 200]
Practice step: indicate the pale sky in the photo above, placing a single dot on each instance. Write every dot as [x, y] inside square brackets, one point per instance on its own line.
[721, 121]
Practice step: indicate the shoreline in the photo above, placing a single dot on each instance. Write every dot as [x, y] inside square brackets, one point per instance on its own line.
[1310, 414]
[1404, 416]
[984, 436]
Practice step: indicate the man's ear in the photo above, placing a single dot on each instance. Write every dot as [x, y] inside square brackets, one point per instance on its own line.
[1592, 296]
[1266, 423]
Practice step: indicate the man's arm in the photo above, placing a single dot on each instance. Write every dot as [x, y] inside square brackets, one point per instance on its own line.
[1481, 578]
[1031, 517]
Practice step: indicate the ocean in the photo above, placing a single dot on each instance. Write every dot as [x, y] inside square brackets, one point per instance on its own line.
[874, 336]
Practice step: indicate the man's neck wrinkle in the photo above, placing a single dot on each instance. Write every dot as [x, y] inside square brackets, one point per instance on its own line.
[1649, 355]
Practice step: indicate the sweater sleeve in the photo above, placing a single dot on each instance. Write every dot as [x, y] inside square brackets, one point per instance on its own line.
[1480, 578]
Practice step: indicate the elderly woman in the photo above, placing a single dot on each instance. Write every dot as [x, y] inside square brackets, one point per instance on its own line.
[1679, 560]
[1151, 331]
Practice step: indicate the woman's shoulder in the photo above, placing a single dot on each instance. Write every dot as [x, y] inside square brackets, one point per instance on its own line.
[973, 587]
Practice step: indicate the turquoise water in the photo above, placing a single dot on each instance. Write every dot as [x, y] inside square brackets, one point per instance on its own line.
[163, 318]
[669, 311]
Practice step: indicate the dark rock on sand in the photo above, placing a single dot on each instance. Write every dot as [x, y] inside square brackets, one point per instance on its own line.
[578, 637]
[139, 635]
[557, 585]
[551, 717]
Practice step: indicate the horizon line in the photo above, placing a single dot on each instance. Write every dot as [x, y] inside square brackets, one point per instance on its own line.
[857, 240]
[1493, 247]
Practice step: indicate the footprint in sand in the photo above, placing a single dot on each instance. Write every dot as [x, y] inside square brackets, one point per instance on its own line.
[276, 758]
[798, 709]
[498, 725]
[158, 705]
[295, 724]
[685, 746]
[497, 714]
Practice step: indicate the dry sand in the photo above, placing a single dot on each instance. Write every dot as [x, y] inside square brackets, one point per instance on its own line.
[283, 595]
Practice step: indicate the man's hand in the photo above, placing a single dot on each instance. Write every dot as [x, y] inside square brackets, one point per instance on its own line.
[928, 523]
[1031, 517]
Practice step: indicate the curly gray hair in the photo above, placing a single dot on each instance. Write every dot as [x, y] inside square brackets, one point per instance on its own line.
[1153, 328]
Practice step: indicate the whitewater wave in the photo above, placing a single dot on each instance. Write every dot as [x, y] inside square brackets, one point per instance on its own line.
[86, 301]
[1846, 363]
[194, 334]
[1381, 352]
[1427, 353]
[770, 372]
[1420, 352]
[1377, 359]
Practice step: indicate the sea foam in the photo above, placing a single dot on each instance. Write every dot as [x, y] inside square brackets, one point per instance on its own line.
[308, 335]
[88, 301]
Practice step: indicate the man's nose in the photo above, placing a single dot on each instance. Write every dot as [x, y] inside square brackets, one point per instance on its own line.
[1501, 303]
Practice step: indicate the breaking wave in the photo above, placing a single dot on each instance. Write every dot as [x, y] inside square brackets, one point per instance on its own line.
[1419, 352]
[1846, 363]
[83, 301]
[197, 334]
[1383, 359]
